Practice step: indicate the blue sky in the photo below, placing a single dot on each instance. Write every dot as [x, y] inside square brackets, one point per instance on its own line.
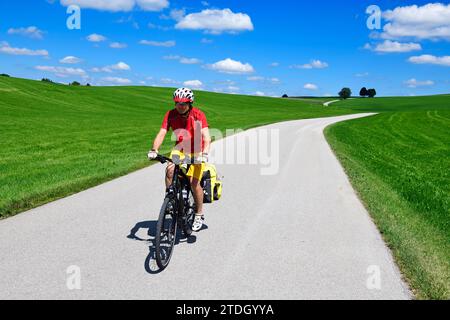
[248, 47]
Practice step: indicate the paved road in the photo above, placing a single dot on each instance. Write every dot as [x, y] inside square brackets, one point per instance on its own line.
[299, 234]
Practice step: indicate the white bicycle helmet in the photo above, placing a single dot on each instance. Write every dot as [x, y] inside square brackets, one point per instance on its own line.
[184, 95]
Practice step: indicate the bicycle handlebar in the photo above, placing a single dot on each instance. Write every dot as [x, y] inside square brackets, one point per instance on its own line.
[164, 159]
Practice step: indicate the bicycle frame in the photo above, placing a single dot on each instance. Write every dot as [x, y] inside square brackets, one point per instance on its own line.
[180, 183]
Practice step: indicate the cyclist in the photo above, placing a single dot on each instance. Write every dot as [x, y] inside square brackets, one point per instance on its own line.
[190, 127]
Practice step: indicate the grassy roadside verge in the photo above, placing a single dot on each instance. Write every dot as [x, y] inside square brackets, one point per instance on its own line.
[57, 140]
[398, 161]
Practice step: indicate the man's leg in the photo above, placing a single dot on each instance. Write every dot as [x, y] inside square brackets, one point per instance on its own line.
[197, 191]
[169, 174]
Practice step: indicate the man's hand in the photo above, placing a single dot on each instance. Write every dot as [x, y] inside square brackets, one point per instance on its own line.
[152, 155]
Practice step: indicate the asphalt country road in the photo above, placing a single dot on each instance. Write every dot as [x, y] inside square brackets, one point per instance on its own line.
[301, 233]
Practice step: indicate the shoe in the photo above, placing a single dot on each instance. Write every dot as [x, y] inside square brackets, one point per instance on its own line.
[198, 223]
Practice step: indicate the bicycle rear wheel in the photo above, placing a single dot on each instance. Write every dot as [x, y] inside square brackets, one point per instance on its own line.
[166, 233]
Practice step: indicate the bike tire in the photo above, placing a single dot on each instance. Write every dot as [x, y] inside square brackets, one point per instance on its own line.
[166, 233]
[189, 219]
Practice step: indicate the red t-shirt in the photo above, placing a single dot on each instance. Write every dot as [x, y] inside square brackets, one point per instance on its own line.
[187, 130]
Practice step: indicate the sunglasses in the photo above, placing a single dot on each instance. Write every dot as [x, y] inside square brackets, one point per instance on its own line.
[182, 104]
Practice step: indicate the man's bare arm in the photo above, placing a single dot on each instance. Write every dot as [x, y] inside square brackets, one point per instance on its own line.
[206, 139]
[159, 139]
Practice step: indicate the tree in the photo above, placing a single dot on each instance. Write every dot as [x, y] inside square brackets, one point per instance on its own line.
[363, 92]
[46, 80]
[75, 83]
[88, 85]
[345, 93]
[371, 93]
[4, 75]
[285, 96]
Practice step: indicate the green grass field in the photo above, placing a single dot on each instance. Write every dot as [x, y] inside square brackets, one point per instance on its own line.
[57, 140]
[399, 162]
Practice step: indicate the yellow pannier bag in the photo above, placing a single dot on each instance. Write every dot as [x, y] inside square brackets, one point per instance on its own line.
[211, 184]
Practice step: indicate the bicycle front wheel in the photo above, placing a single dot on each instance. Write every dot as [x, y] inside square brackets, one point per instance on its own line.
[166, 233]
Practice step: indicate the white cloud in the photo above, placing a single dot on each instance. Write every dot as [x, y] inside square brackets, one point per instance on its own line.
[262, 79]
[216, 21]
[310, 86]
[190, 61]
[96, 38]
[70, 60]
[259, 93]
[206, 41]
[196, 84]
[389, 46]
[255, 78]
[430, 59]
[168, 81]
[431, 21]
[31, 32]
[231, 67]
[121, 66]
[119, 5]
[118, 45]
[167, 44]
[274, 64]
[117, 80]
[152, 5]
[182, 60]
[413, 83]
[7, 49]
[362, 75]
[177, 15]
[314, 64]
[62, 72]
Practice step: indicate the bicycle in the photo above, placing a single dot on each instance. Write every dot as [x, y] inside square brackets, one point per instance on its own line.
[177, 210]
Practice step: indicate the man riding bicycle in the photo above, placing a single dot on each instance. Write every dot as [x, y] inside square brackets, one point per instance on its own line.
[190, 127]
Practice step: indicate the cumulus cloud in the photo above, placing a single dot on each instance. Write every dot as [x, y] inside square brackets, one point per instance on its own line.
[231, 67]
[121, 66]
[70, 60]
[389, 46]
[310, 86]
[430, 21]
[62, 72]
[118, 45]
[96, 38]
[167, 44]
[152, 5]
[7, 49]
[195, 84]
[413, 83]
[119, 5]
[314, 64]
[430, 59]
[263, 79]
[117, 80]
[183, 60]
[259, 94]
[31, 32]
[216, 21]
